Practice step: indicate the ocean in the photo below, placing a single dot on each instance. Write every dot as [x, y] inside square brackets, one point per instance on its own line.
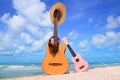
[22, 70]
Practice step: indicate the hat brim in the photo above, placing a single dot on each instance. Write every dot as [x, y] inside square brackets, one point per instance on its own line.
[59, 6]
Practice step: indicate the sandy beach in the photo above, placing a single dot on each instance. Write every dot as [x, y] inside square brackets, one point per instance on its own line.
[106, 73]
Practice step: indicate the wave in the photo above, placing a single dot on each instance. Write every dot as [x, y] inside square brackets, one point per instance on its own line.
[35, 69]
[19, 67]
[38, 67]
[96, 65]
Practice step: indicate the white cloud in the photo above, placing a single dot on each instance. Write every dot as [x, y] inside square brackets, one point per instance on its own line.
[98, 40]
[113, 22]
[84, 45]
[38, 44]
[30, 26]
[33, 11]
[28, 12]
[16, 22]
[5, 40]
[27, 38]
[73, 35]
[5, 17]
[109, 39]
[19, 49]
[36, 31]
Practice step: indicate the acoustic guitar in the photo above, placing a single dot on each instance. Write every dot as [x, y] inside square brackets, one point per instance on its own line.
[55, 61]
[80, 64]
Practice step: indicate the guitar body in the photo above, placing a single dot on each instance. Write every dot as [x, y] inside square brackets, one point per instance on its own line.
[55, 63]
[80, 64]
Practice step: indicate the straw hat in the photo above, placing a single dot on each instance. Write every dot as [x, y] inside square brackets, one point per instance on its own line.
[61, 9]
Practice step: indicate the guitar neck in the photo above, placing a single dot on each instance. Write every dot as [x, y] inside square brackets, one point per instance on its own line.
[55, 31]
[71, 50]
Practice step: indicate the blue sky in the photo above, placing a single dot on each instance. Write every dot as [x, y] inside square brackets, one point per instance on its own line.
[92, 28]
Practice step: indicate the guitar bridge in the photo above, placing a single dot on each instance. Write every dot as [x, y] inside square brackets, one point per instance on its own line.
[82, 67]
[55, 64]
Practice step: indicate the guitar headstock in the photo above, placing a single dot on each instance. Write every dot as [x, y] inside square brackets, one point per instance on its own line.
[65, 41]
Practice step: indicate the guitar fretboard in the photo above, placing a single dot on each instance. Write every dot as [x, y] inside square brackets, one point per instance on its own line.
[71, 50]
[55, 31]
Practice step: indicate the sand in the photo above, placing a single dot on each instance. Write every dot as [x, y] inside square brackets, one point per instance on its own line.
[106, 73]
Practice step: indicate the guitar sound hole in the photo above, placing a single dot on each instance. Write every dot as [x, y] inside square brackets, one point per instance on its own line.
[55, 50]
[77, 60]
[55, 64]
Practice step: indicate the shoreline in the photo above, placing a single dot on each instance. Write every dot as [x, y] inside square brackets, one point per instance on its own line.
[104, 73]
